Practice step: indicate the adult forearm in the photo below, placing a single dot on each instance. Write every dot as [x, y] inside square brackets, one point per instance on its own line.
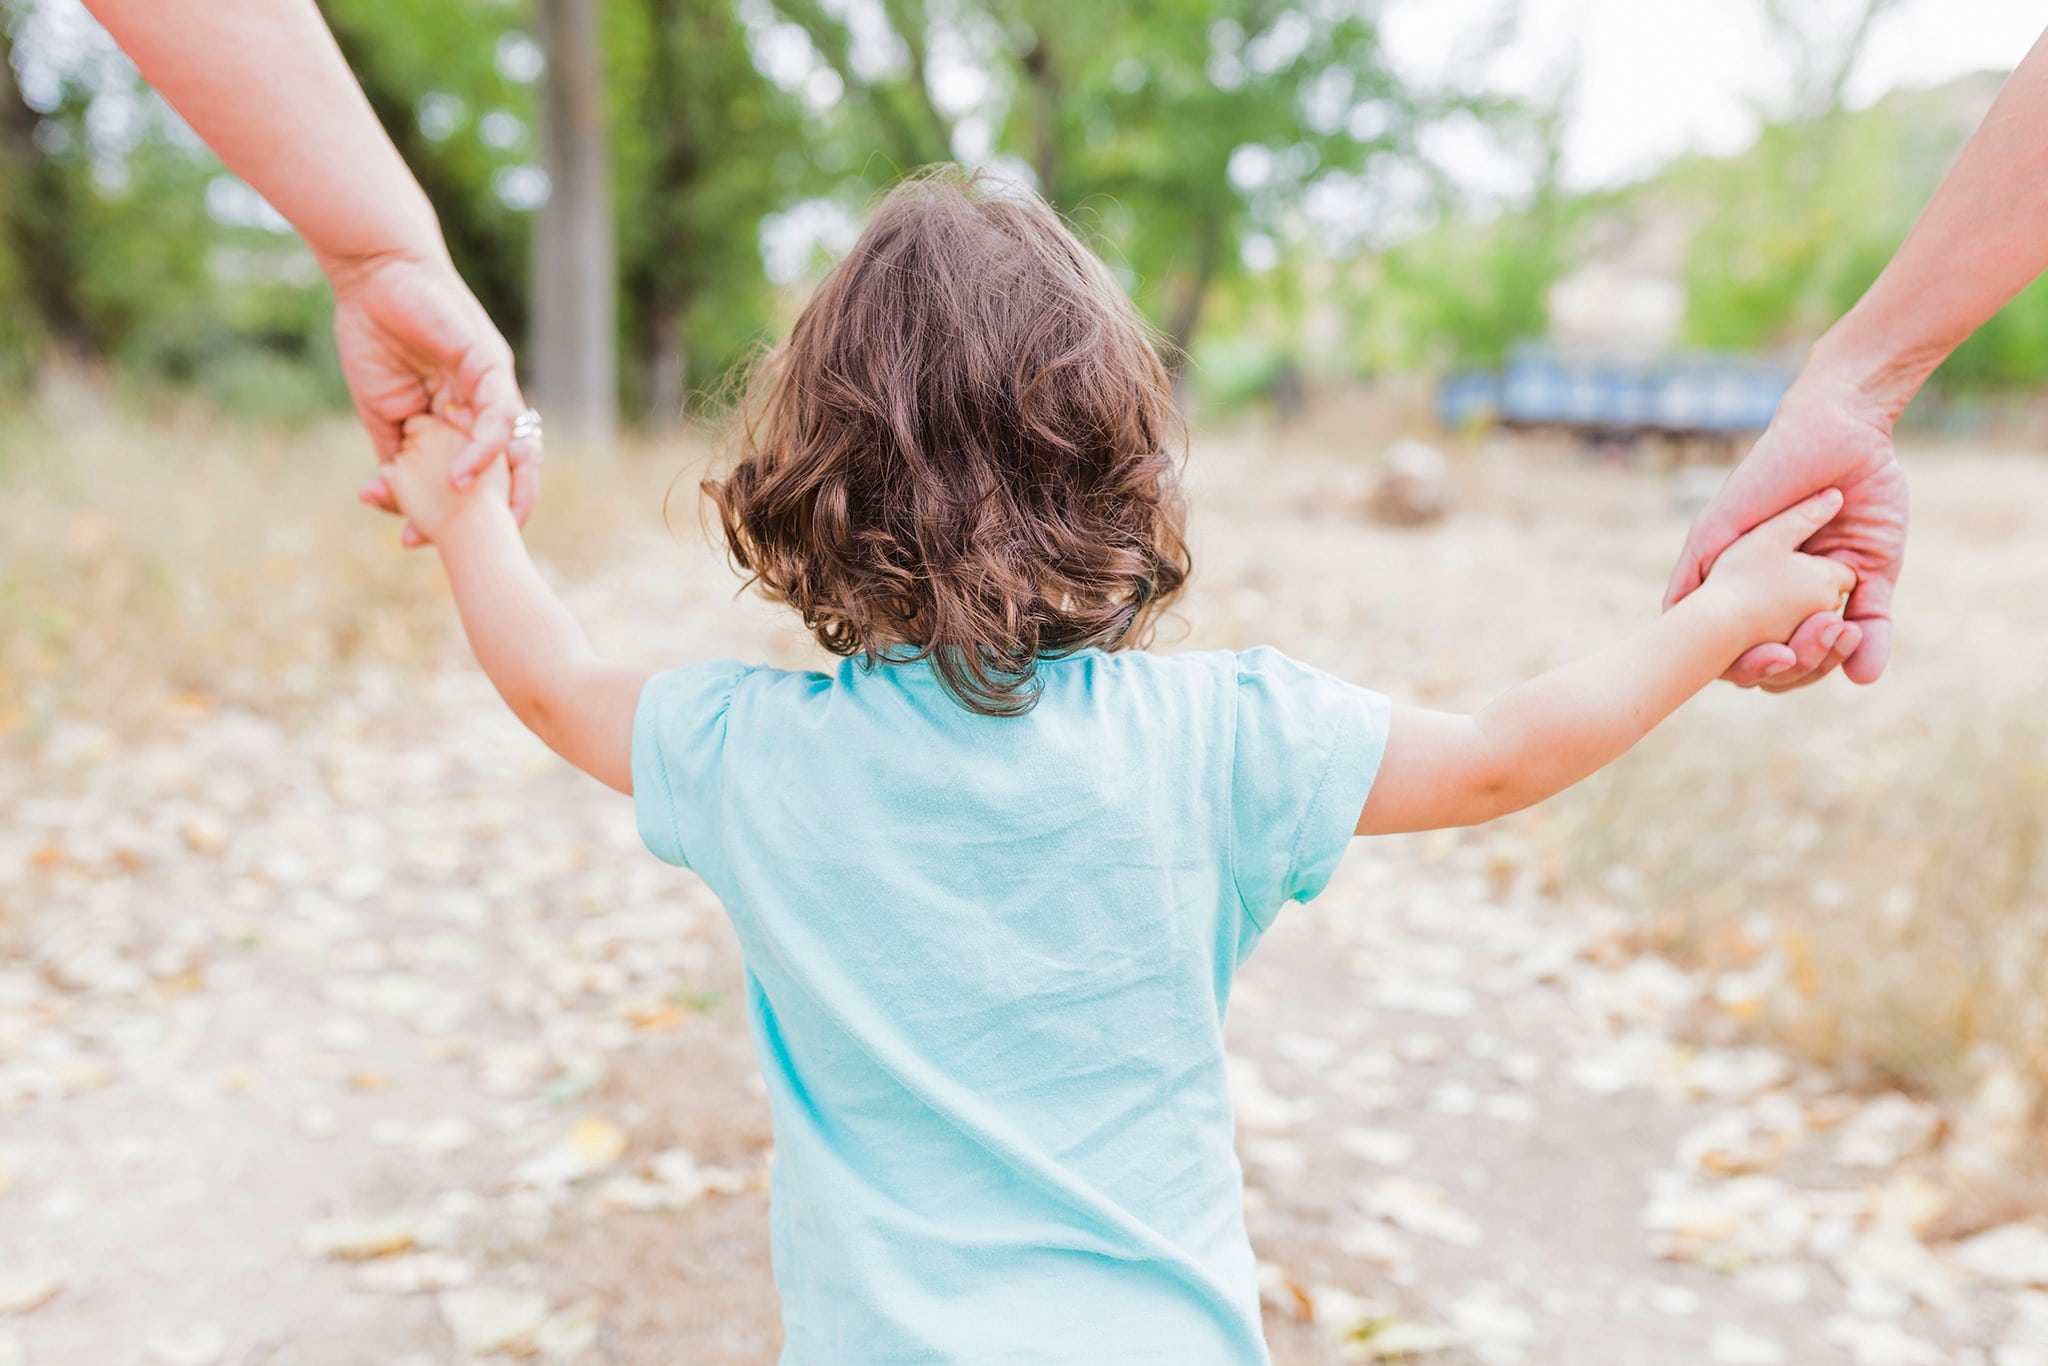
[264, 84]
[1979, 242]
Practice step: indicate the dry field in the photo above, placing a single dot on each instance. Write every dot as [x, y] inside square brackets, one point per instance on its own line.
[339, 1024]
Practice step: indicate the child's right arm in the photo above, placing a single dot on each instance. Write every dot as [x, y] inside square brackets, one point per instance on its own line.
[1536, 740]
[533, 651]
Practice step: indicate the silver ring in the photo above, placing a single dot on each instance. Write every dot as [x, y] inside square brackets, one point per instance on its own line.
[526, 425]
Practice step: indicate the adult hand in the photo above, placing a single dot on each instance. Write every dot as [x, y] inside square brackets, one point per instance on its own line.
[413, 340]
[1826, 434]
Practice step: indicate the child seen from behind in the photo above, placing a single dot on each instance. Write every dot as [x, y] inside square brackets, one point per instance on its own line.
[992, 875]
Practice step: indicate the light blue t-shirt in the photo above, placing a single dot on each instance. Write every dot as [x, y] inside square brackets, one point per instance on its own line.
[986, 967]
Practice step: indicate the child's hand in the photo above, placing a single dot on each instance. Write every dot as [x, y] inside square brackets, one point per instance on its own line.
[419, 479]
[1771, 587]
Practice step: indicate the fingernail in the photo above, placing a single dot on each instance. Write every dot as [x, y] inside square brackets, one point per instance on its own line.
[462, 481]
[1772, 671]
[1830, 636]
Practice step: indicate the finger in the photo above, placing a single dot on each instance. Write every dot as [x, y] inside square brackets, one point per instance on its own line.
[377, 494]
[1760, 663]
[525, 489]
[1685, 577]
[1796, 525]
[496, 401]
[1867, 664]
[1816, 644]
[384, 433]
[1711, 534]
[1870, 607]
[1845, 645]
[410, 537]
[1800, 655]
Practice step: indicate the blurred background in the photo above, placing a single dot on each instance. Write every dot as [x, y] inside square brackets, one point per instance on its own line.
[1293, 193]
[339, 1024]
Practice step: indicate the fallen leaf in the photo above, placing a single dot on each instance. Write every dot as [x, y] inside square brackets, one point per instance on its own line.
[198, 1345]
[483, 1320]
[359, 1237]
[596, 1141]
[25, 1292]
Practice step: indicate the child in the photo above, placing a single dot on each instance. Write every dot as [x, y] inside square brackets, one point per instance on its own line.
[992, 875]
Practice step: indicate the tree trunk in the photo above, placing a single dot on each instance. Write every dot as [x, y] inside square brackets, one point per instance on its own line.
[575, 293]
[37, 224]
[668, 380]
[1184, 314]
[1045, 120]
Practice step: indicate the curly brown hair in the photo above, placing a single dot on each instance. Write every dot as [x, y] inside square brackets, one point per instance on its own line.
[965, 451]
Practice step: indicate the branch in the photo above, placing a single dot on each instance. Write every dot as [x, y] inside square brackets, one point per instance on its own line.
[908, 18]
[834, 44]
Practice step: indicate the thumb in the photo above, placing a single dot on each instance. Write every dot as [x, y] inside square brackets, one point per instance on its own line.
[1716, 529]
[1796, 525]
[1870, 607]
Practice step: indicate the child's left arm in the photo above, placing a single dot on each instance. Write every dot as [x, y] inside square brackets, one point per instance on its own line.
[531, 648]
[1536, 740]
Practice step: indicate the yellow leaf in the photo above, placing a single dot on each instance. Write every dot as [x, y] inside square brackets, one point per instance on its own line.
[655, 1017]
[596, 1141]
[240, 1081]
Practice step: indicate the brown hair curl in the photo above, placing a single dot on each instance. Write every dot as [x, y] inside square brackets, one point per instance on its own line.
[962, 451]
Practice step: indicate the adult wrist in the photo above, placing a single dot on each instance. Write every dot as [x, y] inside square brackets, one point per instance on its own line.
[1859, 365]
[346, 268]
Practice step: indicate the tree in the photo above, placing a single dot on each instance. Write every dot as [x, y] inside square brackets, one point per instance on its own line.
[706, 148]
[431, 76]
[574, 342]
[1822, 43]
[103, 222]
[1171, 129]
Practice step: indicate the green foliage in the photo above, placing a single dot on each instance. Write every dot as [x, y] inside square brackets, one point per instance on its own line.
[1200, 143]
[431, 71]
[1789, 235]
[706, 148]
[1465, 294]
[1132, 117]
[105, 254]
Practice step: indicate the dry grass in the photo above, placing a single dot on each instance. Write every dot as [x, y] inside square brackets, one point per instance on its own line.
[1889, 911]
[159, 562]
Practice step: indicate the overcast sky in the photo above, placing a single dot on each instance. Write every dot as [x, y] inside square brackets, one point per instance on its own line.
[1659, 77]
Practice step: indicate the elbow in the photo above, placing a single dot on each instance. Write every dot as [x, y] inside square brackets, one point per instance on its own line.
[1497, 791]
[540, 710]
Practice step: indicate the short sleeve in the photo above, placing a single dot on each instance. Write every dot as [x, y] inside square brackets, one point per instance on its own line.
[1307, 748]
[679, 739]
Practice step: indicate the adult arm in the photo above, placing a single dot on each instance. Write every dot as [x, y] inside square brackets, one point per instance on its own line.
[1979, 242]
[264, 84]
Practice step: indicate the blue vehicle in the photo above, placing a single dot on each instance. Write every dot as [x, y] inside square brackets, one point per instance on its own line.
[1678, 397]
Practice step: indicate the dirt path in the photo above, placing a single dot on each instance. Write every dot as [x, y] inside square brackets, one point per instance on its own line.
[378, 1040]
